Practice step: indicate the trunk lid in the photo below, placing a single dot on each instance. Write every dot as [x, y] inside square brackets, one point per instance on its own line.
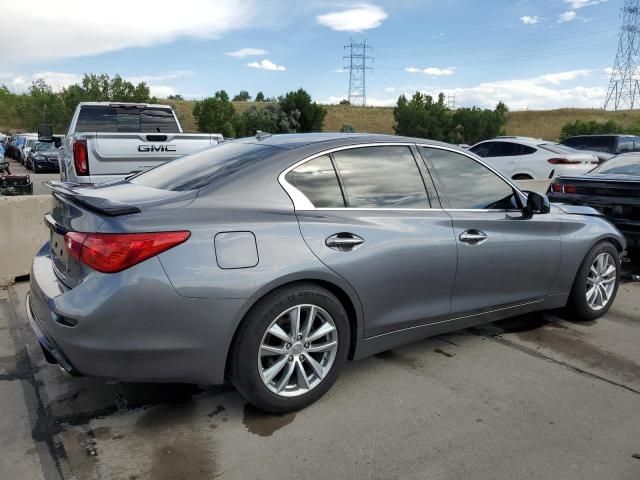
[82, 208]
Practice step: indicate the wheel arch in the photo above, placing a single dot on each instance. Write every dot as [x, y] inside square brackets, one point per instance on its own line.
[338, 287]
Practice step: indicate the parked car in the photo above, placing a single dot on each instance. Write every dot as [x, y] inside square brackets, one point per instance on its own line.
[110, 141]
[604, 146]
[613, 188]
[29, 143]
[271, 260]
[522, 158]
[43, 156]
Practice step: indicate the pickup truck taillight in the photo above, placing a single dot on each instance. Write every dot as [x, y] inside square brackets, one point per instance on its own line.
[114, 252]
[80, 158]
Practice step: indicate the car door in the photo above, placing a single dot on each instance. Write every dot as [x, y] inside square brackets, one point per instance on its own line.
[505, 257]
[371, 215]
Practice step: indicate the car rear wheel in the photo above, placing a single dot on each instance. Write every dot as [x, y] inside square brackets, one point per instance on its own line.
[596, 283]
[290, 348]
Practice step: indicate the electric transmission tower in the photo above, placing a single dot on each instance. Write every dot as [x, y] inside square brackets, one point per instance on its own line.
[624, 89]
[357, 66]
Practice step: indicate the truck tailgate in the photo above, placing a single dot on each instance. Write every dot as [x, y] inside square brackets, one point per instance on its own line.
[125, 153]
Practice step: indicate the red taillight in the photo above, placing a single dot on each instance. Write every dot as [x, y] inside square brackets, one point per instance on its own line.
[563, 161]
[80, 160]
[561, 188]
[114, 252]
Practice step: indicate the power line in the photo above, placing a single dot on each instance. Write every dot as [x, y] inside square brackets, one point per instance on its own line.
[624, 88]
[357, 66]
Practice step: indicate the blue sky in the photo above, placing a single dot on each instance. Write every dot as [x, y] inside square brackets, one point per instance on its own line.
[529, 53]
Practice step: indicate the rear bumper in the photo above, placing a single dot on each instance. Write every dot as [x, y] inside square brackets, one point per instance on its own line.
[130, 326]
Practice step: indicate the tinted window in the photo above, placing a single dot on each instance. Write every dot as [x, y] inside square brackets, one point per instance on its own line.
[483, 149]
[206, 168]
[623, 165]
[625, 145]
[527, 150]
[318, 181]
[40, 147]
[505, 149]
[572, 142]
[126, 119]
[468, 184]
[381, 177]
[599, 143]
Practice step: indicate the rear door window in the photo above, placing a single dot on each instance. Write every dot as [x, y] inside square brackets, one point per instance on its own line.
[505, 149]
[381, 177]
[318, 181]
[483, 149]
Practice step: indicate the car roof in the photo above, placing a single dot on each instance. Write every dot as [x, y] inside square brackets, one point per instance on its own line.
[290, 141]
[116, 104]
[620, 135]
[521, 140]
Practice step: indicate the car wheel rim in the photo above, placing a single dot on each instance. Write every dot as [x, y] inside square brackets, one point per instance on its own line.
[298, 350]
[601, 281]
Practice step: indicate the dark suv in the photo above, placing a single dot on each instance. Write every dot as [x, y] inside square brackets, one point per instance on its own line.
[604, 146]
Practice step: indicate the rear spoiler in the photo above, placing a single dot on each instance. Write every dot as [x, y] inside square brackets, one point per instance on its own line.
[73, 192]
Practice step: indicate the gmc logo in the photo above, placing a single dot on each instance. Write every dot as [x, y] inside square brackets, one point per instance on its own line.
[156, 148]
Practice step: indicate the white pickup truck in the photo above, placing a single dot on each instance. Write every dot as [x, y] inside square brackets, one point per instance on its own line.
[109, 141]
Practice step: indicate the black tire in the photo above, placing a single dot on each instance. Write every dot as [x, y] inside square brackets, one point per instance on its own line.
[243, 372]
[577, 307]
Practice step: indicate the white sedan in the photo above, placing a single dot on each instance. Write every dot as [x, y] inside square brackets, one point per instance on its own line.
[522, 158]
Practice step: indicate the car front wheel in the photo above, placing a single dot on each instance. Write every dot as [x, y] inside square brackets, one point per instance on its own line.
[596, 283]
[290, 348]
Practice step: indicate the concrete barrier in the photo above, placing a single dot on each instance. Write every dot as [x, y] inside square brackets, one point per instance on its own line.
[22, 233]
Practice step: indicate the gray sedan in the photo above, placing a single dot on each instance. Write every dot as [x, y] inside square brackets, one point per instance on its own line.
[270, 261]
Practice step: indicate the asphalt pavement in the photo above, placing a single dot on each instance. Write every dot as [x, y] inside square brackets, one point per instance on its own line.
[535, 397]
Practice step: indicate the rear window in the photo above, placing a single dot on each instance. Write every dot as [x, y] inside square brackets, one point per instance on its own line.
[557, 148]
[599, 144]
[126, 119]
[622, 165]
[206, 168]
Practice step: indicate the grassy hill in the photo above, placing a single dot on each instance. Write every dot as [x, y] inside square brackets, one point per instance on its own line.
[532, 123]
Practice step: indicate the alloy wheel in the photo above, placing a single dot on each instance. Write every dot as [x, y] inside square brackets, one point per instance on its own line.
[601, 281]
[298, 350]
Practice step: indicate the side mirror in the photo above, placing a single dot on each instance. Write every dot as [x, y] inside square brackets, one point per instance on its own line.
[45, 133]
[537, 204]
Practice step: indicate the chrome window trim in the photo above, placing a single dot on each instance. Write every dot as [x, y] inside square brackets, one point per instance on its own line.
[302, 203]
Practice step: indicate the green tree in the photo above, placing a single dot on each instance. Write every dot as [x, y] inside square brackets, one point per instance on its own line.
[259, 97]
[243, 96]
[175, 97]
[215, 115]
[345, 102]
[472, 125]
[298, 108]
[41, 105]
[8, 107]
[583, 127]
[423, 117]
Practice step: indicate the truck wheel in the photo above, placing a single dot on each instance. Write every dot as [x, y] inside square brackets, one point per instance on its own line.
[290, 348]
[596, 283]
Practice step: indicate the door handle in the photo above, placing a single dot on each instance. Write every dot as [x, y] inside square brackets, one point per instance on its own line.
[343, 241]
[473, 237]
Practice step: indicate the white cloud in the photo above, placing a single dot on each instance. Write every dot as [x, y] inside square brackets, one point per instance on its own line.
[576, 4]
[530, 20]
[371, 101]
[541, 92]
[433, 71]
[246, 52]
[356, 19]
[266, 65]
[88, 28]
[390, 89]
[338, 70]
[171, 75]
[568, 16]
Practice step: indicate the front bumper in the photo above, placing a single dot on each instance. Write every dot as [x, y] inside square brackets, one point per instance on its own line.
[130, 326]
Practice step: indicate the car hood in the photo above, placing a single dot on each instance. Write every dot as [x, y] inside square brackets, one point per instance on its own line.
[577, 209]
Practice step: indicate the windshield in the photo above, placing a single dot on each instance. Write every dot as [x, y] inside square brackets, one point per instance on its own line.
[621, 165]
[205, 168]
[41, 147]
